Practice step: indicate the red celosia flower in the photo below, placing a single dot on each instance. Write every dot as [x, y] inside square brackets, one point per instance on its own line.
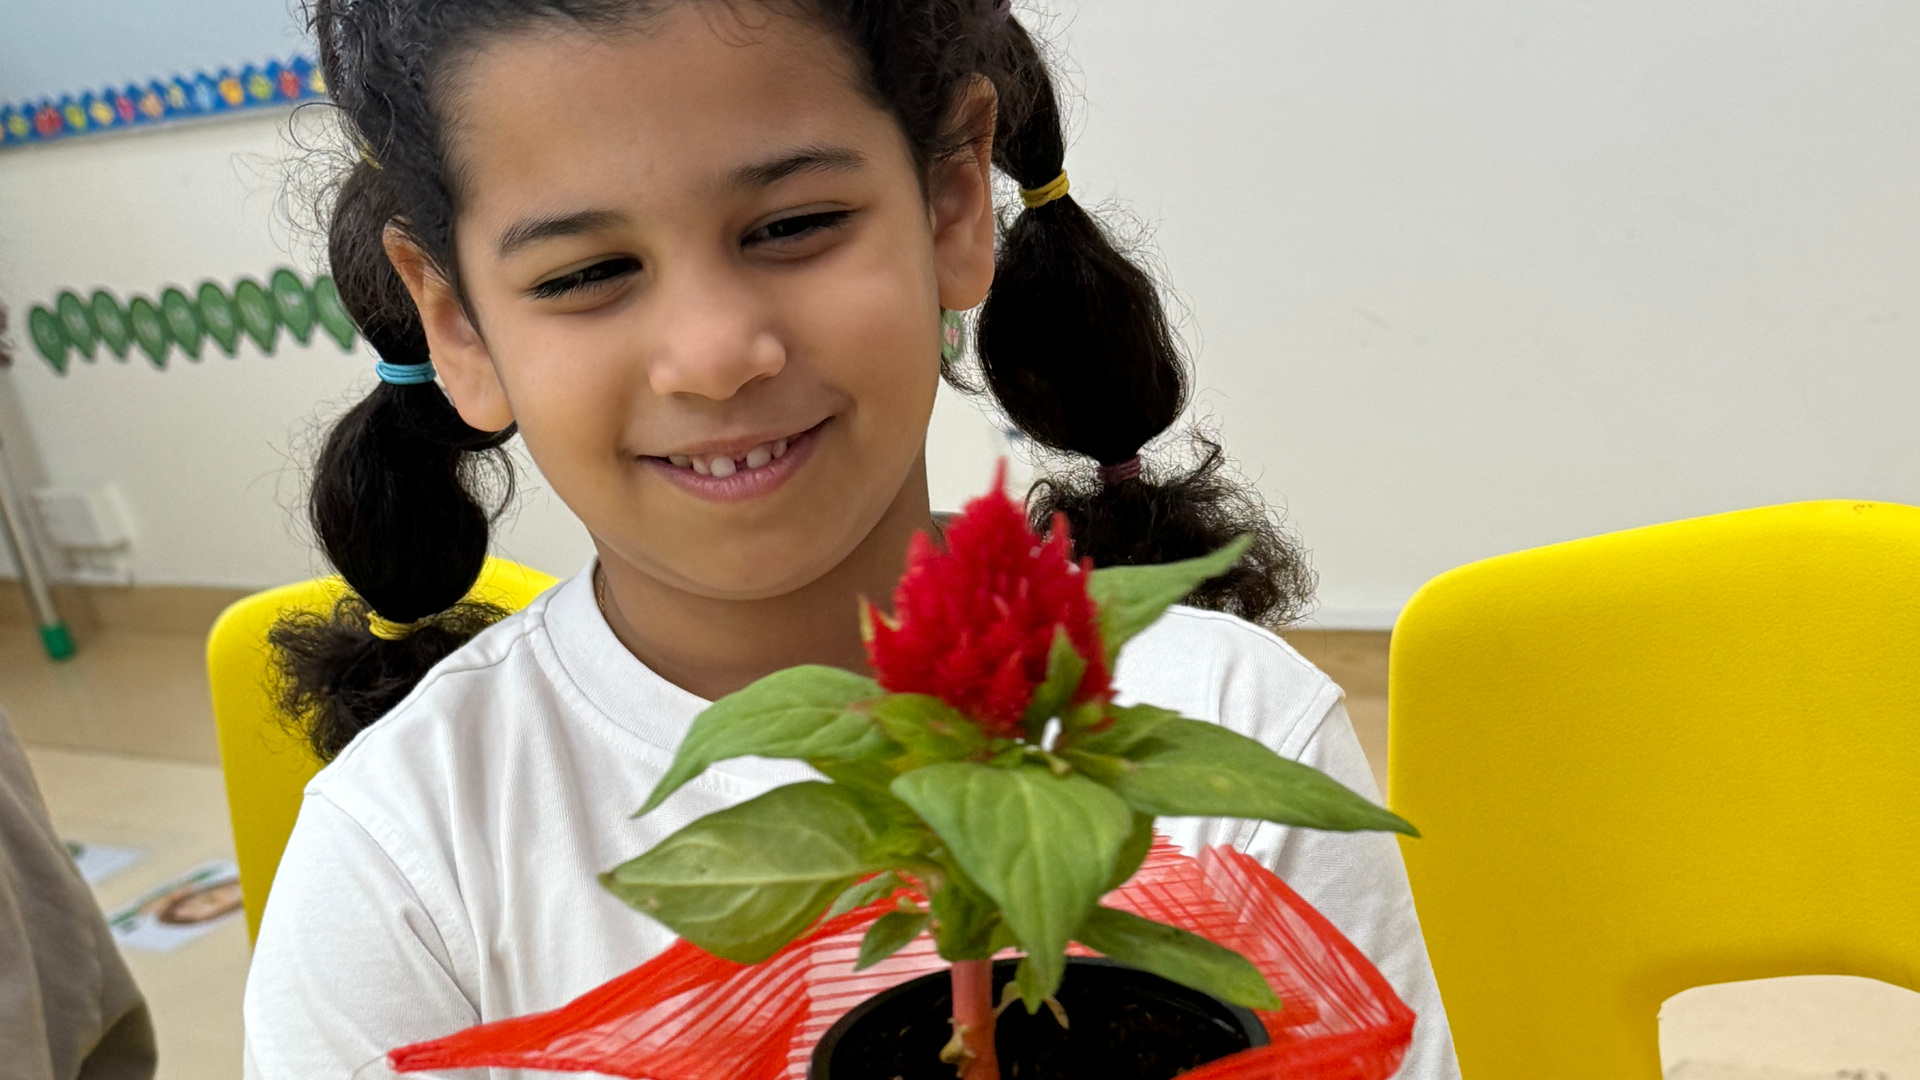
[972, 625]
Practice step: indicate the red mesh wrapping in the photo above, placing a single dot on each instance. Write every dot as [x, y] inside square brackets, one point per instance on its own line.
[685, 1015]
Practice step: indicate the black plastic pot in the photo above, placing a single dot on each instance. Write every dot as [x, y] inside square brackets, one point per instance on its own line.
[1124, 1024]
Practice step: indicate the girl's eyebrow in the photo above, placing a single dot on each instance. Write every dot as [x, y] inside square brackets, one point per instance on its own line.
[531, 230]
[804, 159]
[756, 175]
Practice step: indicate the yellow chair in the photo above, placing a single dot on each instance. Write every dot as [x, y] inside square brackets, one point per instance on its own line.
[1657, 759]
[267, 766]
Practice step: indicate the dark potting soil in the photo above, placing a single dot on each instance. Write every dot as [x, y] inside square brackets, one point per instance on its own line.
[1123, 1024]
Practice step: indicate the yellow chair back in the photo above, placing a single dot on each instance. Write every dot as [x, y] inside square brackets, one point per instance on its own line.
[1670, 757]
[266, 765]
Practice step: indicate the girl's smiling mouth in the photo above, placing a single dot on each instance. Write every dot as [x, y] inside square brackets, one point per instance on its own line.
[738, 475]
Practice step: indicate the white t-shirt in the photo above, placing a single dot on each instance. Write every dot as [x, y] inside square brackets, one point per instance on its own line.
[442, 871]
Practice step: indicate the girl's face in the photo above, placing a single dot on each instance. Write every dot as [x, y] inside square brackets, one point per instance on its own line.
[705, 278]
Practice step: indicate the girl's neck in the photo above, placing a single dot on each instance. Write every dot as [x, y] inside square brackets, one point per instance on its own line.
[712, 647]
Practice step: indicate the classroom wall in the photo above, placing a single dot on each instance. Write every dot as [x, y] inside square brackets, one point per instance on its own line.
[1459, 279]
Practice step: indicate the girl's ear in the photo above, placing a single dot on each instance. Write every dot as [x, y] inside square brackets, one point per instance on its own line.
[460, 355]
[961, 203]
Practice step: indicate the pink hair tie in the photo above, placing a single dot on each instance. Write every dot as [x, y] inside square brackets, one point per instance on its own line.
[1113, 474]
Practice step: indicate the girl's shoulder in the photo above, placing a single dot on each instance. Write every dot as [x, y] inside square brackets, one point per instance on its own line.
[1213, 666]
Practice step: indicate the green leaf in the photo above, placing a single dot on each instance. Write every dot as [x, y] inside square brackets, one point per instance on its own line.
[1133, 852]
[1172, 953]
[1190, 768]
[868, 776]
[1042, 846]
[803, 712]
[1132, 597]
[1010, 756]
[1038, 978]
[964, 922]
[1131, 724]
[744, 881]
[1065, 668]
[864, 893]
[888, 935]
[929, 728]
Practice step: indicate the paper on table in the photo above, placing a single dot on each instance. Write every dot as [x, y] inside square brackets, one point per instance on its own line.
[180, 910]
[98, 862]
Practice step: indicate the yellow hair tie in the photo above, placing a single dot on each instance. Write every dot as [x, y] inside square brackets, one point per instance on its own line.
[1046, 193]
[366, 155]
[387, 629]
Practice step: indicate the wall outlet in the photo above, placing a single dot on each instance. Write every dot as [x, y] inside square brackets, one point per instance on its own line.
[93, 519]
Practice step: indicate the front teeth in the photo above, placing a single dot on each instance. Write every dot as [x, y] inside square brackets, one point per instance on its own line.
[723, 466]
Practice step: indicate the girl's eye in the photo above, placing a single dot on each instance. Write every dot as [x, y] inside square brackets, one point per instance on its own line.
[589, 277]
[798, 227]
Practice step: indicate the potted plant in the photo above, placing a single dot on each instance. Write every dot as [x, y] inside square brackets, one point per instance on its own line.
[986, 790]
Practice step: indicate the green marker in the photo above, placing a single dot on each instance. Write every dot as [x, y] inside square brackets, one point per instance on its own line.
[219, 318]
[293, 303]
[257, 316]
[74, 320]
[48, 337]
[149, 329]
[183, 321]
[332, 313]
[110, 319]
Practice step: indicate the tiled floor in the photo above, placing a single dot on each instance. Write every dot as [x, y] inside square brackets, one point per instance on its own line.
[122, 742]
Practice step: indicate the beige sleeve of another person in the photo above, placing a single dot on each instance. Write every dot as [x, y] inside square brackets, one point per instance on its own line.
[69, 1009]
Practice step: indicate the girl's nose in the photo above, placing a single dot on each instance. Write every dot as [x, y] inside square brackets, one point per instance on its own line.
[713, 342]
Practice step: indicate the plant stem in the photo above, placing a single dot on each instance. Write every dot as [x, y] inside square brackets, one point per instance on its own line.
[973, 1013]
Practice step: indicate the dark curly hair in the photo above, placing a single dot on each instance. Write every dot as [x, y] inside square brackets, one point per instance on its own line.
[1073, 341]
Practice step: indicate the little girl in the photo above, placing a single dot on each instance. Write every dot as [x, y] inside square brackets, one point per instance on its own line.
[699, 254]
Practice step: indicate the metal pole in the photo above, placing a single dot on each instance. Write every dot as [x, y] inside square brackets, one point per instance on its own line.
[53, 632]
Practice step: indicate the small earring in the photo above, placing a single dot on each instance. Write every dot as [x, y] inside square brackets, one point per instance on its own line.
[953, 336]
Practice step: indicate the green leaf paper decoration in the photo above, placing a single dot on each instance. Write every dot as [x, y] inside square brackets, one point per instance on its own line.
[257, 316]
[332, 313]
[222, 323]
[183, 321]
[149, 329]
[293, 302]
[76, 322]
[48, 337]
[110, 321]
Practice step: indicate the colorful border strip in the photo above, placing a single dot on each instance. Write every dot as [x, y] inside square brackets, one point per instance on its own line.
[179, 98]
[74, 326]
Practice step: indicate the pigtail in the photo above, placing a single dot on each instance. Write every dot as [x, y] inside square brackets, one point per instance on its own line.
[1075, 345]
[403, 499]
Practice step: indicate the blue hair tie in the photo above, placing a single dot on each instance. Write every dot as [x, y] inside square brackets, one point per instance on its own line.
[404, 374]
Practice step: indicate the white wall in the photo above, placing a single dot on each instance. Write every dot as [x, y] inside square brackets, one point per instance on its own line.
[1476, 276]
[1462, 278]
